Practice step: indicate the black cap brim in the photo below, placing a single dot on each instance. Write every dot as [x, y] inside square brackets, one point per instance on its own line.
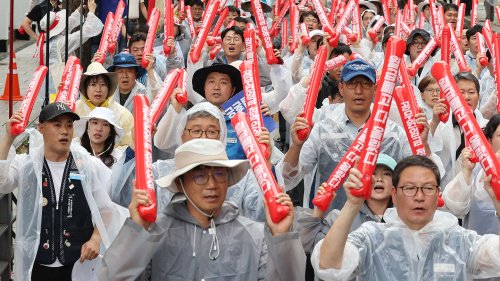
[201, 74]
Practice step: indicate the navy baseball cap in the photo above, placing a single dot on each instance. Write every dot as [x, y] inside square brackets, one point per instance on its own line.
[358, 67]
[125, 60]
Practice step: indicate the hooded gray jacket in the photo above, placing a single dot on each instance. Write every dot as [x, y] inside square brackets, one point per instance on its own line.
[179, 248]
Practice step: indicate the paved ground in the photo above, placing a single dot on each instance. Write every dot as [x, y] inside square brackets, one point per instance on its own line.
[26, 65]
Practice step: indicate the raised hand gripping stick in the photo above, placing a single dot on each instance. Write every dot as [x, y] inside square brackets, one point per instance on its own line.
[117, 27]
[267, 42]
[103, 45]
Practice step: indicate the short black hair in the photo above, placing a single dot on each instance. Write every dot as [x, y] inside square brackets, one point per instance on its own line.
[308, 13]
[473, 30]
[412, 161]
[234, 9]
[136, 37]
[341, 49]
[197, 3]
[467, 76]
[450, 6]
[236, 30]
[241, 19]
[491, 126]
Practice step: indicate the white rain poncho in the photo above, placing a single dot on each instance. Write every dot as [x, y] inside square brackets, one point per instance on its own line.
[329, 140]
[441, 250]
[245, 194]
[25, 172]
[472, 203]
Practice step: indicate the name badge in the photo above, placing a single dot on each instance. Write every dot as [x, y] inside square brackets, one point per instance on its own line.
[73, 176]
[232, 140]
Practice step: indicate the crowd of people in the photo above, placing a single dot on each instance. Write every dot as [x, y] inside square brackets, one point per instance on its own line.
[215, 213]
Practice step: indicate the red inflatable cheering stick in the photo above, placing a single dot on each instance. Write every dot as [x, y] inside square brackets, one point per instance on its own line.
[422, 57]
[473, 157]
[335, 62]
[465, 118]
[304, 34]
[253, 103]
[267, 42]
[445, 44]
[168, 26]
[117, 27]
[143, 155]
[275, 27]
[327, 27]
[208, 19]
[163, 96]
[482, 49]
[380, 113]
[459, 55]
[443, 117]
[410, 94]
[148, 46]
[189, 16]
[373, 32]
[103, 45]
[218, 26]
[67, 78]
[29, 99]
[473, 13]
[341, 171]
[284, 34]
[294, 22]
[460, 20]
[259, 166]
[496, 50]
[312, 90]
[74, 92]
[409, 121]
[182, 97]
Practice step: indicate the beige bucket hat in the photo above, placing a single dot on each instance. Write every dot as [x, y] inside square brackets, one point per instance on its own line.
[95, 69]
[206, 152]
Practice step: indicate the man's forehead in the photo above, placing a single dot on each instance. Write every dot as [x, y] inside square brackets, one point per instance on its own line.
[218, 75]
[359, 77]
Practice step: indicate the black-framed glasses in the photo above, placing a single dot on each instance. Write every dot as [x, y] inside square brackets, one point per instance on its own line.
[419, 43]
[197, 133]
[220, 175]
[411, 190]
[432, 91]
[352, 84]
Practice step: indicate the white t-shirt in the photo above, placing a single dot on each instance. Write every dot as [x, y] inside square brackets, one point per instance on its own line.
[57, 171]
[133, 11]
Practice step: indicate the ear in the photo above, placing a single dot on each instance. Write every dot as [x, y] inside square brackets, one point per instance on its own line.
[40, 128]
[393, 196]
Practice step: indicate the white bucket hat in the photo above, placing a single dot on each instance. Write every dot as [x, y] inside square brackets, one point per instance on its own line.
[103, 113]
[57, 23]
[207, 152]
[95, 69]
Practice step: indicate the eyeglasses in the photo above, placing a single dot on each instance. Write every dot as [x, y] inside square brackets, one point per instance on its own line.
[220, 175]
[352, 84]
[197, 133]
[235, 39]
[411, 190]
[419, 43]
[432, 91]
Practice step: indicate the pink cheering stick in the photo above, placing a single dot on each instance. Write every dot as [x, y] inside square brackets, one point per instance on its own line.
[103, 45]
[422, 57]
[222, 6]
[182, 97]
[148, 46]
[237, 3]
[411, 15]
[29, 100]
[189, 16]
[74, 92]
[409, 121]
[275, 27]
[421, 21]
[312, 90]
[143, 155]
[434, 18]
[211, 40]
[218, 26]
[333, 10]
[386, 11]
[335, 62]
[460, 20]
[267, 42]
[443, 117]
[409, 93]
[253, 103]
[342, 23]
[341, 171]
[368, 158]
[182, 10]
[440, 16]
[161, 100]
[304, 34]
[215, 50]
[250, 45]
[497, 65]
[497, 11]
[483, 60]
[208, 19]
[473, 13]
[67, 77]
[373, 32]
[326, 24]
[284, 34]
[259, 166]
[459, 56]
[357, 28]
[294, 24]
[355, 55]
[468, 123]
[351, 36]
[168, 26]
[399, 21]
[116, 28]
[276, 9]
[405, 31]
